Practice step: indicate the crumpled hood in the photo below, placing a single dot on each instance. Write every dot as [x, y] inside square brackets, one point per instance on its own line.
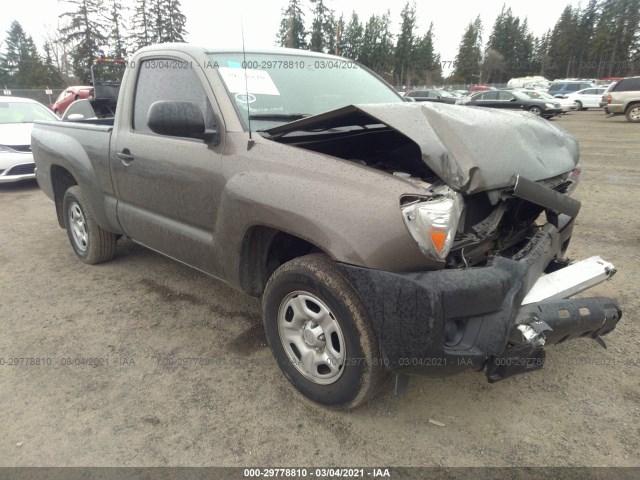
[13, 134]
[471, 148]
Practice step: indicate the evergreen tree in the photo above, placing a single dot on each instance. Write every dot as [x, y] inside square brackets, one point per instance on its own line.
[53, 77]
[352, 38]
[117, 28]
[21, 65]
[509, 49]
[563, 44]
[586, 27]
[467, 61]
[85, 34]
[377, 45]
[405, 44]
[322, 28]
[141, 25]
[157, 24]
[15, 42]
[616, 37]
[541, 59]
[4, 74]
[173, 22]
[292, 32]
[426, 62]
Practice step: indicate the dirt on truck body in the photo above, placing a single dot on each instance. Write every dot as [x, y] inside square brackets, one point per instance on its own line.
[382, 236]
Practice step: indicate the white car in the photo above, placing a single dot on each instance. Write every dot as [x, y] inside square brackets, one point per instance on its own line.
[587, 98]
[16, 121]
[566, 104]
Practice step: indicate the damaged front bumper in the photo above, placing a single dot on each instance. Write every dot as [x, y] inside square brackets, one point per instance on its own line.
[439, 323]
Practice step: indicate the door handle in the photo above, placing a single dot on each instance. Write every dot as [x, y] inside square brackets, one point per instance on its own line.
[125, 156]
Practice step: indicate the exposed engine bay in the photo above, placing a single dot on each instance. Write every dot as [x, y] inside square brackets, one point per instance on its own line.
[492, 222]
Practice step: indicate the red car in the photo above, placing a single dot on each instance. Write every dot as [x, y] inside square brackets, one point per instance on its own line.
[480, 88]
[70, 95]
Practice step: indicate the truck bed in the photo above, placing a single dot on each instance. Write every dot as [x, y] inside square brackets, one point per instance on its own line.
[86, 148]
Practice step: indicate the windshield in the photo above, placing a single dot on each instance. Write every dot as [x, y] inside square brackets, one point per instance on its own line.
[24, 112]
[281, 88]
[446, 94]
[540, 95]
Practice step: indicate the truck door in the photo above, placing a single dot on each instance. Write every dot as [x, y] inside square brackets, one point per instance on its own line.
[168, 187]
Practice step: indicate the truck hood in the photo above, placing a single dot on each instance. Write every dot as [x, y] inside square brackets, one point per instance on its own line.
[472, 149]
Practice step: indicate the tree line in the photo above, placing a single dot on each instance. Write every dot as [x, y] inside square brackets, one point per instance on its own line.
[601, 39]
[406, 58]
[87, 30]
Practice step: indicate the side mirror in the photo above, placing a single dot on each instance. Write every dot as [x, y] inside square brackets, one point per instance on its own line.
[179, 119]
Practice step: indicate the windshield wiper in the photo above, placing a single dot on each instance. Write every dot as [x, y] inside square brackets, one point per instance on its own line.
[278, 116]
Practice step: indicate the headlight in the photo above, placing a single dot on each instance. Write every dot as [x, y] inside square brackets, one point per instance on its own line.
[433, 222]
[550, 105]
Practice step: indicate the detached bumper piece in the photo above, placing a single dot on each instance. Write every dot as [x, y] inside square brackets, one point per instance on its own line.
[550, 323]
[442, 322]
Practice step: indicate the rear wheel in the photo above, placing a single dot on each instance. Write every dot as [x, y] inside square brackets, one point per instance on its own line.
[633, 113]
[535, 110]
[90, 242]
[318, 331]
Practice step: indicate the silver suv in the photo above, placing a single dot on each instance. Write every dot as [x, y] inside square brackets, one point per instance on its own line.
[624, 99]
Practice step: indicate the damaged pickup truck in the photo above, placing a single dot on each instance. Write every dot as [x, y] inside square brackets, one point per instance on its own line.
[382, 236]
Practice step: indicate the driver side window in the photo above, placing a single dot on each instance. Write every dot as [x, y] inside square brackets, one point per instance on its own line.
[170, 80]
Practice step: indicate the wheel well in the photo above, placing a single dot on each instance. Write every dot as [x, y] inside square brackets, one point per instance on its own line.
[631, 104]
[264, 249]
[61, 180]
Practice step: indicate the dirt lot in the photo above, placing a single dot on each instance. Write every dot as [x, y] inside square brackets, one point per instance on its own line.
[183, 376]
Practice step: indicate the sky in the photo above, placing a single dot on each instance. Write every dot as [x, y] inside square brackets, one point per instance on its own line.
[217, 24]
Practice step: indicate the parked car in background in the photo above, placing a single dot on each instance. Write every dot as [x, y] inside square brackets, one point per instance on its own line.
[480, 88]
[587, 98]
[624, 99]
[16, 121]
[432, 95]
[568, 87]
[70, 95]
[566, 104]
[514, 101]
[603, 100]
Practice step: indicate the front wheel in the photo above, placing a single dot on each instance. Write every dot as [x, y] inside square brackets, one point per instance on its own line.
[535, 110]
[318, 331]
[633, 113]
[90, 242]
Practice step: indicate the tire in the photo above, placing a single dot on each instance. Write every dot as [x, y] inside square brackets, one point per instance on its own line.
[348, 369]
[633, 113]
[90, 242]
[579, 105]
[535, 110]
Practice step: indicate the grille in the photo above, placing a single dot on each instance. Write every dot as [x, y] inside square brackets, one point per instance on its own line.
[24, 169]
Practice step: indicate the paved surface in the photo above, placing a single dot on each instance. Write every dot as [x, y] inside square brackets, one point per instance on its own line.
[222, 399]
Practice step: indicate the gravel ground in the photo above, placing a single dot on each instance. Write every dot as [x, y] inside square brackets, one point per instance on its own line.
[225, 402]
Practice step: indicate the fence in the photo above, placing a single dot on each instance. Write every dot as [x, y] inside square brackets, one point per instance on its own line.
[38, 94]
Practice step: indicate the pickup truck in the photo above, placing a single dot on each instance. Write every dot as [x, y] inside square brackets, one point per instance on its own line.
[383, 237]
